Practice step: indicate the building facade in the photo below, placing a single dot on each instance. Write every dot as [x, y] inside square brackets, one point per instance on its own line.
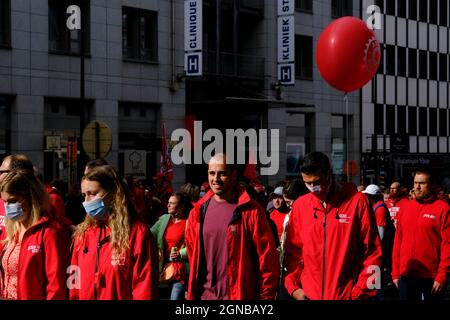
[405, 116]
[135, 82]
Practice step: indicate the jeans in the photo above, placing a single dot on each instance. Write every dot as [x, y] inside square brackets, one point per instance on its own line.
[415, 289]
[176, 291]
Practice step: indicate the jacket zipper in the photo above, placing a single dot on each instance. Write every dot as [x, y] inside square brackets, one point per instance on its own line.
[96, 276]
[324, 251]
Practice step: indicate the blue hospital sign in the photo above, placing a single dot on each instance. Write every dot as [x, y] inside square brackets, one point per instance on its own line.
[286, 73]
[193, 40]
[193, 64]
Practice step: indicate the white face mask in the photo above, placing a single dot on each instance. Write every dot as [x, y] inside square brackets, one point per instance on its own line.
[314, 189]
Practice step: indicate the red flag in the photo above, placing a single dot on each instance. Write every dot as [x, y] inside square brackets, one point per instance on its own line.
[166, 163]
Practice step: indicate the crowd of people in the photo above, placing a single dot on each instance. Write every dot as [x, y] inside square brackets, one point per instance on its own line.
[310, 238]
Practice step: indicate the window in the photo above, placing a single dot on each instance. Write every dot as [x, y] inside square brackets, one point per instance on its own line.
[401, 61]
[412, 9]
[390, 7]
[443, 5]
[390, 119]
[423, 121]
[303, 57]
[390, 60]
[401, 8]
[379, 119]
[433, 121]
[433, 65]
[412, 63]
[380, 4]
[412, 121]
[433, 11]
[401, 119]
[423, 67]
[341, 8]
[382, 54]
[5, 22]
[61, 39]
[423, 10]
[304, 5]
[5, 119]
[139, 34]
[443, 131]
[442, 67]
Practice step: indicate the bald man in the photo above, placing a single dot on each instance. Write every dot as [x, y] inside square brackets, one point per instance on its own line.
[230, 245]
[395, 201]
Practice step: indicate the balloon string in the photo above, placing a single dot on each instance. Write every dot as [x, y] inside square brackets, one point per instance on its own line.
[346, 136]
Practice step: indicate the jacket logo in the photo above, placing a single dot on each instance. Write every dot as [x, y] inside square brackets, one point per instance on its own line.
[34, 248]
[233, 230]
[343, 218]
[117, 260]
[429, 216]
[2, 221]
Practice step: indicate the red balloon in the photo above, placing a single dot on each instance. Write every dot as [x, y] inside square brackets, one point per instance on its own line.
[348, 54]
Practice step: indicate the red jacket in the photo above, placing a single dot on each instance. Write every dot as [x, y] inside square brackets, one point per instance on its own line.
[131, 276]
[2, 220]
[394, 206]
[43, 261]
[253, 268]
[331, 253]
[422, 241]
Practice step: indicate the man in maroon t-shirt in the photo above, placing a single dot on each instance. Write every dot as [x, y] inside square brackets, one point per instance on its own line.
[230, 245]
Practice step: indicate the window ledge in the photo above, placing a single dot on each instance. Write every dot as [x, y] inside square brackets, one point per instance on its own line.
[65, 53]
[140, 61]
[5, 46]
[304, 11]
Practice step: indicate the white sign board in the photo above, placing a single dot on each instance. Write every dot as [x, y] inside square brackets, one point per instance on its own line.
[193, 37]
[286, 7]
[286, 42]
[135, 163]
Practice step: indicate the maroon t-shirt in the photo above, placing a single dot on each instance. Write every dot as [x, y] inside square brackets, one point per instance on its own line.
[217, 218]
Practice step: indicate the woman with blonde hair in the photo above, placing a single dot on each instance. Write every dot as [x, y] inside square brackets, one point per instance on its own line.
[36, 251]
[115, 255]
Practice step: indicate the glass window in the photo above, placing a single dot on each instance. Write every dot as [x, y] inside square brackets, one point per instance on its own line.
[61, 39]
[390, 119]
[379, 119]
[401, 61]
[412, 120]
[443, 7]
[433, 56]
[443, 67]
[423, 121]
[5, 120]
[412, 9]
[423, 10]
[401, 119]
[139, 34]
[341, 8]
[423, 64]
[5, 22]
[390, 7]
[304, 5]
[433, 122]
[303, 57]
[433, 11]
[412, 63]
[401, 8]
[390, 60]
[443, 130]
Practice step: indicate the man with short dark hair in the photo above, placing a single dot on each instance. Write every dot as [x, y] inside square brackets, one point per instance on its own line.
[230, 246]
[421, 257]
[332, 243]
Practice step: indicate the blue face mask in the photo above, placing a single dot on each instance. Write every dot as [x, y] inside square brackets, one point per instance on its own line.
[14, 211]
[95, 208]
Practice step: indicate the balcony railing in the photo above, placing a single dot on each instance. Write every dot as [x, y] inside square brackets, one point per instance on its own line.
[245, 66]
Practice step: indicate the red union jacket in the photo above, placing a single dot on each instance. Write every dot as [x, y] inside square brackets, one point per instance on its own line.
[104, 276]
[332, 254]
[253, 267]
[43, 261]
[422, 241]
